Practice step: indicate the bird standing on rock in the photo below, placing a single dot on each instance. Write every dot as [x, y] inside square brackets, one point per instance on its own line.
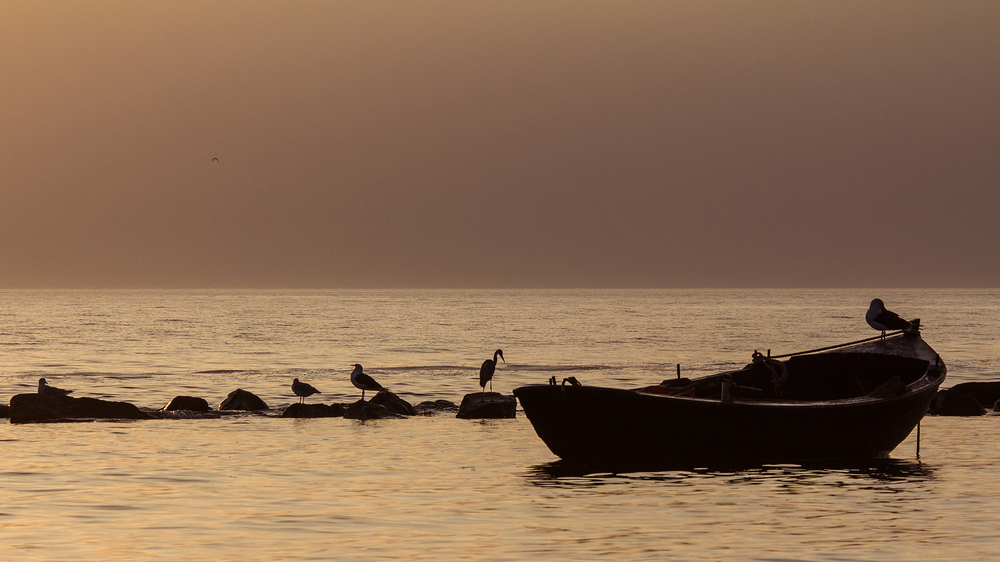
[45, 389]
[486, 371]
[363, 381]
[881, 319]
[302, 390]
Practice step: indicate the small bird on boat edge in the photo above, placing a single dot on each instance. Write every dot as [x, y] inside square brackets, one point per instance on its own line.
[881, 319]
[488, 368]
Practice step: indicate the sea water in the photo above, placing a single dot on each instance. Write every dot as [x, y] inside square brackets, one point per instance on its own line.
[261, 487]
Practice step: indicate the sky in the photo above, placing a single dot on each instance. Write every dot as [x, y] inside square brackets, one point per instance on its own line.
[515, 144]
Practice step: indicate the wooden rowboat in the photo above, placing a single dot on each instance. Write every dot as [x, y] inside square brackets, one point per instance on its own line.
[857, 401]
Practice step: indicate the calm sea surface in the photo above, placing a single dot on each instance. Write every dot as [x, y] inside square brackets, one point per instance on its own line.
[259, 487]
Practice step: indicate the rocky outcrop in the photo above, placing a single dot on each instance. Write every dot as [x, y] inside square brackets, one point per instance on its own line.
[190, 403]
[965, 405]
[39, 407]
[240, 399]
[487, 405]
[393, 403]
[187, 415]
[429, 407]
[364, 410]
[957, 399]
[314, 411]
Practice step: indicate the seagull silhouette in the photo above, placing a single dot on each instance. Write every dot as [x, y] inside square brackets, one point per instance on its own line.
[881, 319]
[45, 389]
[363, 381]
[302, 390]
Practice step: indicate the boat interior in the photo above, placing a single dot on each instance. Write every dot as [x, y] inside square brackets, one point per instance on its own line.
[816, 377]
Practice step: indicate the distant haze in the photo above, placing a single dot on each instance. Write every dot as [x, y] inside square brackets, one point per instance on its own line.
[499, 144]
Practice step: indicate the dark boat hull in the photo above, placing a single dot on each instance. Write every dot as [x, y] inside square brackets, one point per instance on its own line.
[613, 427]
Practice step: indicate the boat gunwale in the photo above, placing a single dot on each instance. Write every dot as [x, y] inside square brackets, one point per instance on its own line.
[919, 385]
[926, 381]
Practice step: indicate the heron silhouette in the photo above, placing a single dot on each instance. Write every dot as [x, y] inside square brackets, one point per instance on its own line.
[881, 319]
[45, 389]
[360, 380]
[302, 390]
[486, 371]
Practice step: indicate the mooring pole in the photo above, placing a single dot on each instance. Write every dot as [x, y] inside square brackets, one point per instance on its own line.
[918, 440]
[678, 370]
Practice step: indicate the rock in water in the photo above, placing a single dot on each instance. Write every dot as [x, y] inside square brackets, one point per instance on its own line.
[394, 403]
[41, 407]
[314, 411]
[429, 407]
[364, 410]
[985, 393]
[240, 399]
[966, 405]
[487, 405]
[191, 403]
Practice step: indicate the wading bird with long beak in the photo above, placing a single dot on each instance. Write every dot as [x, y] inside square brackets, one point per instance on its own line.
[486, 371]
[881, 319]
[360, 380]
[302, 390]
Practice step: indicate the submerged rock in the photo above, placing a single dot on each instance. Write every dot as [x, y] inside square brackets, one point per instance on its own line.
[364, 410]
[186, 415]
[191, 403]
[42, 407]
[394, 403]
[984, 393]
[966, 405]
[240, 399]
[314, 411]
[428, 407]
[487, 405]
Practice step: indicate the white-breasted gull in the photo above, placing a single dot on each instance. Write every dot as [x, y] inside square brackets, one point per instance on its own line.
[881, 319]
[360, 380]
[44, 388]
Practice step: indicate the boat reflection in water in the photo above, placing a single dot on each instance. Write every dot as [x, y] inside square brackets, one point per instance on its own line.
[849, 402]
[560, 473]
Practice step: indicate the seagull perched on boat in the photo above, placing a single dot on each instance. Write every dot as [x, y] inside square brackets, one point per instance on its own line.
[486, 371]
[45, 389]
[881, 319]
[363, 381]
[302, 390]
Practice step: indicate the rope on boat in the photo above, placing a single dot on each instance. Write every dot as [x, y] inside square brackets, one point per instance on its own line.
[839, 345]
[779, 372]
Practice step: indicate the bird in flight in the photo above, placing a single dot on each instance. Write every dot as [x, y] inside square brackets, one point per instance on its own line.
[215, 159]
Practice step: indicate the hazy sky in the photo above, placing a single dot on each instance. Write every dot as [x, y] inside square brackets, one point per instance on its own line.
[499, 144]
